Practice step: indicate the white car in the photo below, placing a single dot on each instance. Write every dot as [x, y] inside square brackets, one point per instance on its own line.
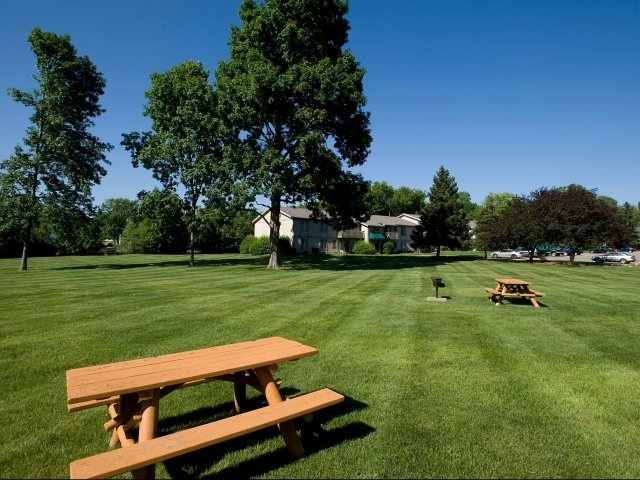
[614, 257]
[506, 253]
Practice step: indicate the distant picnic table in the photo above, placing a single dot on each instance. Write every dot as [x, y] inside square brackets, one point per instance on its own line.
[513, 288]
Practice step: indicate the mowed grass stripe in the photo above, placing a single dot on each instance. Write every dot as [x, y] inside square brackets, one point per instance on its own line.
[454, 389]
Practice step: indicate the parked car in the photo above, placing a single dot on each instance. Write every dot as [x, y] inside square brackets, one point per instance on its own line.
[601, 250]
[553, 250]
[506, 253]
[523, 251]
[614, 257]
[567, 251]
[626, 249]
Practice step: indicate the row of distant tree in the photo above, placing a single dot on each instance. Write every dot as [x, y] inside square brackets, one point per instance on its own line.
[282, 120]
[572, 216]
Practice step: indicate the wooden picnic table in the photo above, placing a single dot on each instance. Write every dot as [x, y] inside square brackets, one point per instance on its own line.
[513, 288]
[132, 390]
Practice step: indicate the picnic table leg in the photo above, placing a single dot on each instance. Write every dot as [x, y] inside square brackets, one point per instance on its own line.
[534, 301]
[149, 405]
[239, 396]
[287, 429]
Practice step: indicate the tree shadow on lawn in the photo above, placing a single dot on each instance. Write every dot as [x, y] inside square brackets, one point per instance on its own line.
[369, 262]
[288, 262]
[180, 261]
[313, 436]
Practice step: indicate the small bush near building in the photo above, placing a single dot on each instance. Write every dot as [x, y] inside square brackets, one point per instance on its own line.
[252, 245]
[284, 245]
[388, 248]
[245, 245]
[363, 248]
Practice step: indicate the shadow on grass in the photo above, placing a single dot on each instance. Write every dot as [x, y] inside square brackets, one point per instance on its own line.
[180, 261]
[520, 301]
[288, 262]
[314, 439]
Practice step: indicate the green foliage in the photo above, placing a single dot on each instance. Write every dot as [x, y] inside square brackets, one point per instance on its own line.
[113, 215]
[185, 146]
[293, 99]
[382, 199]
[443, 221]
[159, 226]
[363, 248]
[388, 247]
[60, 160]
[571, 216]
[407, 200]
[378, 198]
[245, 245]
[284, 245]
[260, 246]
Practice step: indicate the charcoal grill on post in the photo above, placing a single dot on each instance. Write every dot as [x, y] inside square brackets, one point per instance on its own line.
[437, 282]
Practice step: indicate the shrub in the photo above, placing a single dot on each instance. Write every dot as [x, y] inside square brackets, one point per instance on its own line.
[388, 248]
[252, 245]
[260, 246]
[284, 245]
[245, 245]
[363, 248]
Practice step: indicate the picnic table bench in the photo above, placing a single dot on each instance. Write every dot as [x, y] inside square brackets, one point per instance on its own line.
[132, 390]
[513, 288]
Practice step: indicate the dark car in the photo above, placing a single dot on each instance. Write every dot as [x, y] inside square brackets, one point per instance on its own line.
[626, 249]
[553, 250]
[601, 250]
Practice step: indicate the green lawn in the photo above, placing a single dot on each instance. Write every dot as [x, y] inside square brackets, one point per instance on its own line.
[454, 389]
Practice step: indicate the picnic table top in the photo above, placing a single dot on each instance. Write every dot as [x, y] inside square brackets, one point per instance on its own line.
[102, 381]
[512, 281]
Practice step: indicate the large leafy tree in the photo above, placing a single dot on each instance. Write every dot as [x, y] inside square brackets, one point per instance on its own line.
[488, 214]
[113, 215]
[443, 221]
[378, 198]
[185, 147]
[294, 98]
[59, 161]
[157, 226]
[577, 218]
[407, 200]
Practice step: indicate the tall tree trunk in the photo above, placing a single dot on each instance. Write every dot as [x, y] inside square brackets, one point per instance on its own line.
[192, 253]
[25, 245]
[274, 234]
[438, 251]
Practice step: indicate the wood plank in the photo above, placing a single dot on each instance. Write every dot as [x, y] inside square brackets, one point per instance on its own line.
[122, 460]
[91, 383]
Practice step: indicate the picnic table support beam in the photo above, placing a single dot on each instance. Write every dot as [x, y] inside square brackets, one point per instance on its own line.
[239, 396]
[149, 405]
[287, 429]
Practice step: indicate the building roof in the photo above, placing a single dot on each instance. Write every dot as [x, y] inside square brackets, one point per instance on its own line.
[383, 220]
[374, 221]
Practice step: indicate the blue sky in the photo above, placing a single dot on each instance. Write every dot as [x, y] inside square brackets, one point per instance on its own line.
[508, 95]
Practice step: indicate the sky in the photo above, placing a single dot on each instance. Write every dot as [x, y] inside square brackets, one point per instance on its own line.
[508, 95]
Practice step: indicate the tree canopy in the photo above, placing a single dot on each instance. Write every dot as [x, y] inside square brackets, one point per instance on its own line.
[443, 221]
[571, 216]
[53, 171]
[185, 145]
[293, 98]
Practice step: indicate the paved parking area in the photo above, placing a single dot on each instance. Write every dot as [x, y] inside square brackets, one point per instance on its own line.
[582, 258]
